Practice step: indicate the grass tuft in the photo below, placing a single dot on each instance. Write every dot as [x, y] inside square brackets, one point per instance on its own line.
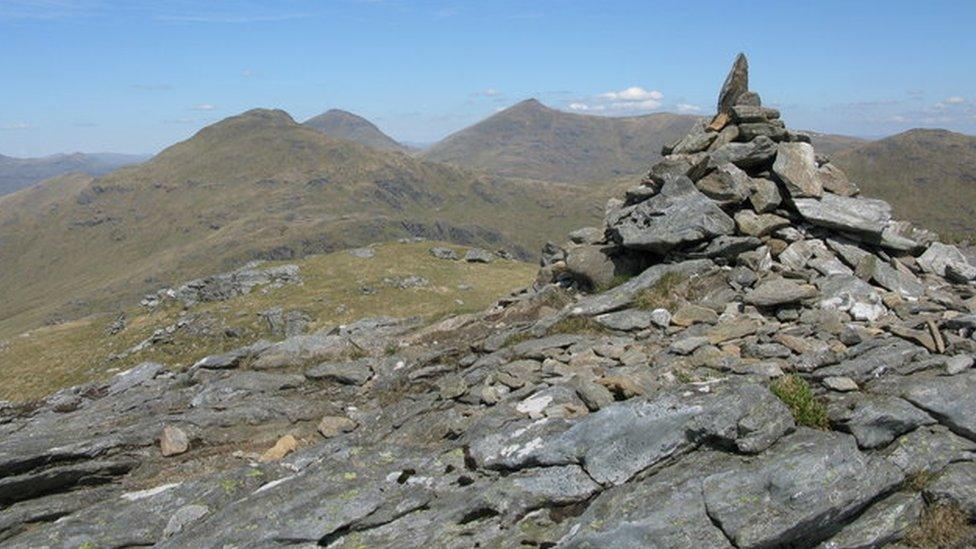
[916, 482]
[807, 409]
[941, 525]
[666, 293]
[577, 325]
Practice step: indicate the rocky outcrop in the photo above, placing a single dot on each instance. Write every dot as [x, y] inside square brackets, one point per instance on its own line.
[758, 357]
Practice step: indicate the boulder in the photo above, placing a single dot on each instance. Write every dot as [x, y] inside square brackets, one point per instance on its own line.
[779, 291]
[478, 255]
[940, 256]
[753, 154]
[863, 216]
[759, 225]
[333, 426]
[679, 214]
[807, 485]
[796, 167]
[173, 441]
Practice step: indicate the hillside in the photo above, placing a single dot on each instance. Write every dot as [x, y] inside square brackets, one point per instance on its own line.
[351, 127]
[18, 173]
[832, 144]
[257, 185]
[534, 141]
[928, 176]
[392, 279]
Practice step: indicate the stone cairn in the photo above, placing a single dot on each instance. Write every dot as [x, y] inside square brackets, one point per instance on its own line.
[745, 191]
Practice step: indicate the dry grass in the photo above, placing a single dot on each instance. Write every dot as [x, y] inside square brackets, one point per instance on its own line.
[942, 526]
[49, 358]
[577, 325]
[917, 482]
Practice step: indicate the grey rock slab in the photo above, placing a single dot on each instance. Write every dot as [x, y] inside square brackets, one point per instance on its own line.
[938, 256]
[876, 420]
[779, 291]
[759, 225]
[764, 195]
[620, 297]
[834, 179]
[884, 357]
[801, 489]
[677, 215]
[858, 215]
[727, 247]
[535, 348]
[846, 292]
[884, 522]
[956, 485]
[948, 398]
[626, 320]
[623, 439]
[796, 166]
[890, 278]
[758, 152]
[356, 372]
[589, 235]
[929, 449]
[666, 510]
[534, 488]
[727, 183]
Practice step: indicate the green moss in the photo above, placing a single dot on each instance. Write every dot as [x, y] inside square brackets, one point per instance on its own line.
[807, 409]
[617, 280]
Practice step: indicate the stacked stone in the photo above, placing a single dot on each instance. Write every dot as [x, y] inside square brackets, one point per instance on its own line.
[743, 190]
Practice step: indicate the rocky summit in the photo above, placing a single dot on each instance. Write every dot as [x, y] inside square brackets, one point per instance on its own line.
[748, 353]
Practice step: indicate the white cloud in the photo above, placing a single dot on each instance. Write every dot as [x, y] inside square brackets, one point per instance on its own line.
[487, 92]
[633, 94]
[632, 99]
[247, 73]
[686, 108]
[17, 126]
[204, 107]
[955, 100]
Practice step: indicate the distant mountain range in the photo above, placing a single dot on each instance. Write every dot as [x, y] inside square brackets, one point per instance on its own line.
[534, 141]
[352, 127]
[18, 173]
[260, 185]
[256, 185]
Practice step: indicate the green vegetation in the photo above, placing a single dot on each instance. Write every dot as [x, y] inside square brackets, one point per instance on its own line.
[78, 351]
[617, 280]
[577, 325]
[928, 176]
[666, 293]
[533, 141]
[942, 525]
[807, 409]
[254, 185]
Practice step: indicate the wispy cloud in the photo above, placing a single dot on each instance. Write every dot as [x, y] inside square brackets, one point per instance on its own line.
[180, 121]
[49, 9]
[203, 107]
[248, 73]
[487, 92]
[229, 17]
[17, 126]
[686, 108]
[152, 87]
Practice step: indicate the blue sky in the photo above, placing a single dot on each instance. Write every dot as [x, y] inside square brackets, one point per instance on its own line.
[137, 75]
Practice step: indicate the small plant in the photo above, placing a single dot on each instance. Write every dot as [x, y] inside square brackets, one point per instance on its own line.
[391, 349]
[916, 482]
[682, 375]
[941, 525]
[518, 337]
[807, 409]
[576, 325]
[617, 280]
[664, 294]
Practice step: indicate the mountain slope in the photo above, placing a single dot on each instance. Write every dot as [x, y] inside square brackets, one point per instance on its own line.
[351, 127]
[928, 176]
[18, 173]
[534, 141]
[257, 185]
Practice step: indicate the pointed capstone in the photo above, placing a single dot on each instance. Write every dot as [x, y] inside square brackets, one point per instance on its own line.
[736, 84]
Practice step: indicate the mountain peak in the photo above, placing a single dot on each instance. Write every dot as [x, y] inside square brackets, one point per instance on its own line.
[352, 127]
